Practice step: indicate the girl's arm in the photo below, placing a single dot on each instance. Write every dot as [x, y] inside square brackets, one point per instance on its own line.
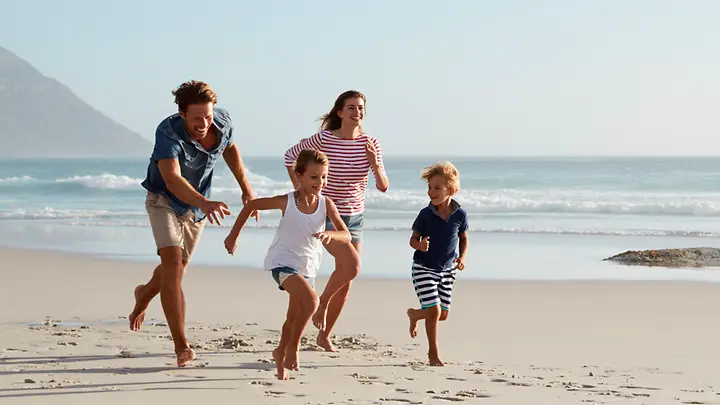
[259, 204]
[341, 232]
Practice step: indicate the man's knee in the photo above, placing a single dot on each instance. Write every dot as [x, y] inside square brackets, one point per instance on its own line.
[444, 314]
[172, 263]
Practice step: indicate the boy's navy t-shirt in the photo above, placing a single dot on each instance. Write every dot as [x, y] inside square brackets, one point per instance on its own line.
[444, 236]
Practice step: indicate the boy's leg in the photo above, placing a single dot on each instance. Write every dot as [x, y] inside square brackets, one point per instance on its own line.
[425, 283]
[307, 302]
[279, 353]
[445, 292]
[426, 287]
[432, 317]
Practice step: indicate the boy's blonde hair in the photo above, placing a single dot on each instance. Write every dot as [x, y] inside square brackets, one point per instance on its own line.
[307, 156]
[446, 170]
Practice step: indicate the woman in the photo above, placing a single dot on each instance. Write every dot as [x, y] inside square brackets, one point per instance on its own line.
[352, 154]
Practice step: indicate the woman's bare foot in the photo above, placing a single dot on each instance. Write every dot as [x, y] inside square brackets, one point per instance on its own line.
[279, 357]
[291, 358]
[185, 356]
[435, 361]
[323, 341]
[137, 316]
[413, 323]
[318, 318]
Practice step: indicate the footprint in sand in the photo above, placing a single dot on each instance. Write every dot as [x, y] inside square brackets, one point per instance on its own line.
[635, 387]
[402, 400]
[451, 399]
[264, 383]
[276, 394]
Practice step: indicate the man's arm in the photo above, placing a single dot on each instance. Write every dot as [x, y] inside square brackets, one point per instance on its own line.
[235, 163]
[170, 171]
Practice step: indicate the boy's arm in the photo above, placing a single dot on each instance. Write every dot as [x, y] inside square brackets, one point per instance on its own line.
[463, 244]
[259, 204]
[415, 241]
[341, 232]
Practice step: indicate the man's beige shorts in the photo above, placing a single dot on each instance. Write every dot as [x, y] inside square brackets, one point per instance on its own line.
[171, 229]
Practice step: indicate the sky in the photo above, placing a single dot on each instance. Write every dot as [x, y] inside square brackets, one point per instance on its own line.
[460, 77]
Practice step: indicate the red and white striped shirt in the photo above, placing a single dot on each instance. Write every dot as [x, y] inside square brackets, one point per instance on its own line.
[348, 171]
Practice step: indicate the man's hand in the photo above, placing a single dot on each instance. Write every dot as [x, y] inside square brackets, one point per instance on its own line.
[323, 236]
[459, 263]
[424, 243]
[214, 210]
[246, 199]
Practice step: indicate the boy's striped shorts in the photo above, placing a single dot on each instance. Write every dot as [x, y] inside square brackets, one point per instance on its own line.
[433, 287]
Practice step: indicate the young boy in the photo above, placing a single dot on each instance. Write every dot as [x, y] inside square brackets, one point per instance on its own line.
[437, 231]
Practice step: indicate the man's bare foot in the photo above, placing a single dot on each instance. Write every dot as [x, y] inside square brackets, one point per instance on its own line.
[279, 357]
[435, 360]
[323, 341]
[318, 318]
[137, 316]
[413, 323]
[185, 356]
[291, 358]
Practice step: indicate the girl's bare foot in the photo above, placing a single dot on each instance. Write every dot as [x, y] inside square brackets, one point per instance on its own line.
[318, 318]
[185, 356]
[324, 342]
[291, 358]
[137, 316]
[413, 323]
[279, 357]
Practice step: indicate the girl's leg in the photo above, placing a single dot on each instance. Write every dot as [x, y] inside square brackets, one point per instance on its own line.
[279, 353]
[306, 302]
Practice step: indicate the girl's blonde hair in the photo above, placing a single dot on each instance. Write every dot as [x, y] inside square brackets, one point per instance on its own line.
[307, 156]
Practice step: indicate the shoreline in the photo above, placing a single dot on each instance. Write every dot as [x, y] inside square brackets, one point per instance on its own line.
[65, 334]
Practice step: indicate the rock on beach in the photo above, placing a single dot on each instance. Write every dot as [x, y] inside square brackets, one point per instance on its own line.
[685, 257]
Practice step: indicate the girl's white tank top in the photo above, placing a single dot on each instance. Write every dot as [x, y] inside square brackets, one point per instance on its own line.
[294, 245]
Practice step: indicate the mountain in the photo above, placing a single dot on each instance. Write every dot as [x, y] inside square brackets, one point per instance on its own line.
[41, 117]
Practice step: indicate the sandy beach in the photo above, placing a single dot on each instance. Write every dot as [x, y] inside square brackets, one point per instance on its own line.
[65, 339]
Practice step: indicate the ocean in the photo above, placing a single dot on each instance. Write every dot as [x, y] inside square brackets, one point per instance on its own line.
[530, 218]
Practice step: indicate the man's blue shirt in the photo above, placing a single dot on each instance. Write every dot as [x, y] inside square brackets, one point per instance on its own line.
[196, 163]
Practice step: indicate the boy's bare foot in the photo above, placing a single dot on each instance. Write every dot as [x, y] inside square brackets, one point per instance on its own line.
[324, 342]
[435, 360]
[291, 358]
[279, 357]
[185, 356]
[318, 318]
[413, 323]
[137, 316]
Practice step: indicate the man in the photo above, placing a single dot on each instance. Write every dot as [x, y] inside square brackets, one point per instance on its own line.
[179, 176]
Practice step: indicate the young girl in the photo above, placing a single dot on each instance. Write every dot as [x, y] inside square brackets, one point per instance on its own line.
[294, 255]
[352, 154]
